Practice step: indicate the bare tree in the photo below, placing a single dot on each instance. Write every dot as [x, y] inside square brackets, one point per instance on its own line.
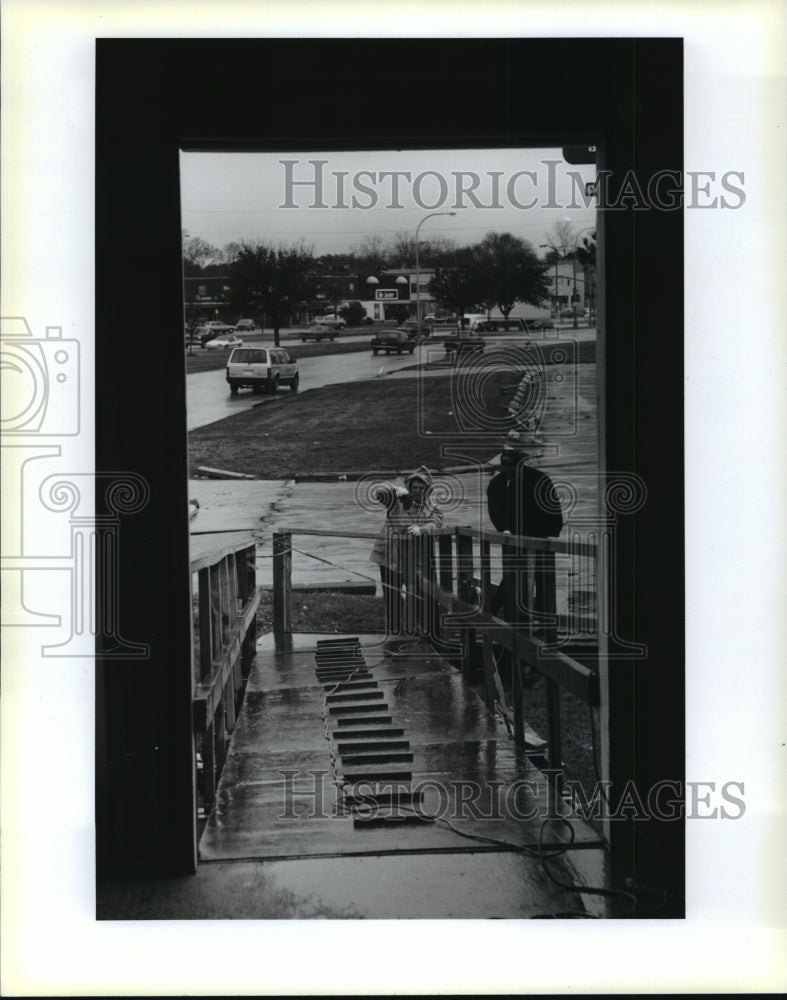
[229, 252]
[561, 238]
[402, 252]
[198, 252]
[372, 254]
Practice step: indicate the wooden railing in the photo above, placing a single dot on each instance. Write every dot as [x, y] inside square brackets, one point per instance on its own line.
[449, 588]
[224, 647]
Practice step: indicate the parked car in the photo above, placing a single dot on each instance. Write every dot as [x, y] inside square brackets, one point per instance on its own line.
[393, 341]
[223, 343]
[569, 313]
[499, 326]
[465, 342]
[245, 324]
[439, 319]
[332, 320]
[261, 368]
[318, 331]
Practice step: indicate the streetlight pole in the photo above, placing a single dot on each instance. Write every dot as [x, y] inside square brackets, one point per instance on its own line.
[418, 265]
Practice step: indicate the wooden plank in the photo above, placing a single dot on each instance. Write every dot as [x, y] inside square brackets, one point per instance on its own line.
[222, 473]
[336, 587]
[324, 533]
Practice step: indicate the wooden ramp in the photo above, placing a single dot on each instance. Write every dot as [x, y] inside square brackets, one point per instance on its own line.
[341, 750]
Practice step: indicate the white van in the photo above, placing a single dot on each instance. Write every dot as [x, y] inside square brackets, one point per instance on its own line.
[261, 368]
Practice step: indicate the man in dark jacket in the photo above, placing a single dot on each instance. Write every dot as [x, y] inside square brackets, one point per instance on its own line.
[521, 501]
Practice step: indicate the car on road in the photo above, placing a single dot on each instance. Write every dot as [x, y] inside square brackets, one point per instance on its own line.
[392, 341]
[214, 328]
[261, 368]
[318, 331]
[569, 313]
[245, 324]
[499, 326]
[412, 328]
[439, 319]
[466, 342]
[332, 320]
[223, 343]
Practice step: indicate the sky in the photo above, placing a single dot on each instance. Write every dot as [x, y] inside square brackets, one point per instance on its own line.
[334, 200]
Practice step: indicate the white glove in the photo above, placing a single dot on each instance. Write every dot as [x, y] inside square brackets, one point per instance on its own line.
[400, 491]
[413, 530]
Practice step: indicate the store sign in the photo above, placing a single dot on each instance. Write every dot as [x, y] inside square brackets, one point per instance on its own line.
[386, 294]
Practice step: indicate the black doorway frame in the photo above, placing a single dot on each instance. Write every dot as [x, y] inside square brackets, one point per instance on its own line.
[154, 97]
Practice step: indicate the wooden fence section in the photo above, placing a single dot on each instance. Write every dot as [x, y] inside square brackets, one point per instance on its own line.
[449, 591]
[223, 651]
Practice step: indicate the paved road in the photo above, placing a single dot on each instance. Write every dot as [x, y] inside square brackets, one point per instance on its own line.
[209, 398]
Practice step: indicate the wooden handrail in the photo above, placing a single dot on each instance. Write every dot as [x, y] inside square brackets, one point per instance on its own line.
[479, 534]
[528, 542]
[228, 602]
[209, 693]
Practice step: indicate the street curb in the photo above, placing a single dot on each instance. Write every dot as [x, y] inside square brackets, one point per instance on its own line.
[354, 477]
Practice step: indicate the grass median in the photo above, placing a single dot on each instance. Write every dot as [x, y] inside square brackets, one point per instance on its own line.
[384, 423]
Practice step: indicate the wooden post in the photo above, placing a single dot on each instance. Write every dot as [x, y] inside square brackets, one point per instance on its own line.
[208, 766]
[486, 574]
[282, 591]
[464, 573]
[489, 673]
[205, 624]
[446, 548]
[430, 609]
[408, 549]
[545, 574]
[227, 612]
[220, 739]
